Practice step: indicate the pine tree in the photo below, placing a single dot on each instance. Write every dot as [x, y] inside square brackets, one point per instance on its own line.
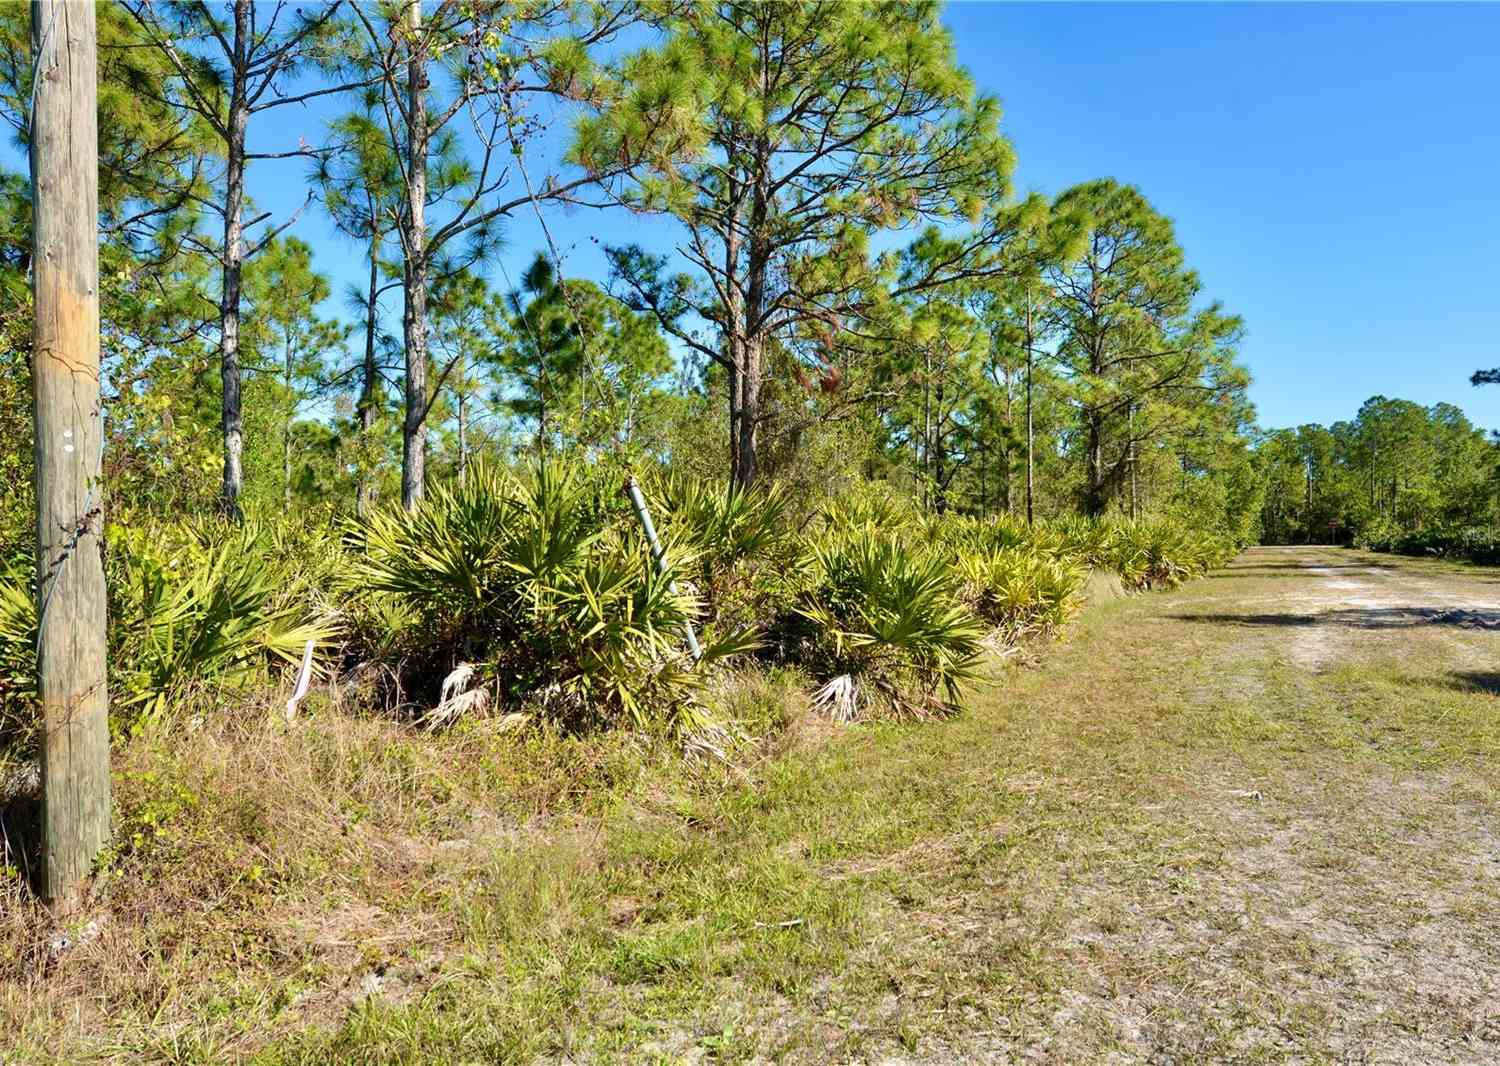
[1142, 362]
[288, 339]
[360, 181]
[821, 123]
[482, 65]
[578, 365]
[229, 70]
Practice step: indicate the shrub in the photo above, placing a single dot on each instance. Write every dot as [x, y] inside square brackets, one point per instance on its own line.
[736, 545]
[215, 607]
[552, 595]
[1020, 592]
[189, 606]
[17, 657]
[1145, 553]
[541, 587]
[882, 622]
[1476, 544]
[872, 505]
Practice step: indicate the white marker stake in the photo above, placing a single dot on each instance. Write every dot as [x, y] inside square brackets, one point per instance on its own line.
[639, 502]
[304, 677]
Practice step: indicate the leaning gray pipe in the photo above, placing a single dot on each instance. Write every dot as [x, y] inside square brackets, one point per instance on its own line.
[639, 503]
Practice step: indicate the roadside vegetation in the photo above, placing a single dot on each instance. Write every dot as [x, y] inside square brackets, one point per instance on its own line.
[427, 743]
[1095, 835]
[539, 588]
[269, 870]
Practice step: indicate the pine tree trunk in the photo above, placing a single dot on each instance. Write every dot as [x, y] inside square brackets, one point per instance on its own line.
[984, 481]
[754, 331]
[364, 492]
[286, 431]
[1030, 429]
[1307, 506]
[1005, 464]
[940, 455]
[749, 414]
[927, 429]
[734, 319]
[68, 448]
[541, 407]
[1094, 500]
[735, 400]
[414, 428]
[463, 434]
[233, 420]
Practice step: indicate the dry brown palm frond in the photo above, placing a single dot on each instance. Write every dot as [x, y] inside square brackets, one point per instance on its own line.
[456, 699]
[475, 701]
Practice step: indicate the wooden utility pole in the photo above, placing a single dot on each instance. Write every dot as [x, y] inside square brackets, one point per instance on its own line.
[69, 447]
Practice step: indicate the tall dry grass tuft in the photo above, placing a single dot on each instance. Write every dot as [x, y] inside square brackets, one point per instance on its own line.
[300, 856]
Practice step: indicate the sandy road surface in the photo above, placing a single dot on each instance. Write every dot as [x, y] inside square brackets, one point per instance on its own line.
[1331, 607]
[1333, 890]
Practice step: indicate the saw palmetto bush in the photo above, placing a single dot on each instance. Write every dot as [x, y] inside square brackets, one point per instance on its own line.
[1086, 540]
[1021, 580]
[213, 607]
[17, 656]
[1147, 553]
[192, 608]
[1163, 554]
[550, 592]
[971, 533]
[880, 622]
[869, 506]
[1477, 544]
[737, 544]
[1020, 592]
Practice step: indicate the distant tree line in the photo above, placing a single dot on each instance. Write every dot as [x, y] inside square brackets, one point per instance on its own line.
[1395, 463]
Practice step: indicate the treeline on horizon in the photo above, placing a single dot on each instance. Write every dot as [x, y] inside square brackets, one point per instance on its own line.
[1398, 476]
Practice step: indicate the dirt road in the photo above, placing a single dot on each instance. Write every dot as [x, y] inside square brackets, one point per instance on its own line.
[1302, 859]
[1336, 607]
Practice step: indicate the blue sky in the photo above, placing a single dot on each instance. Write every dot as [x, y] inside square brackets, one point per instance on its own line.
[1332, 171]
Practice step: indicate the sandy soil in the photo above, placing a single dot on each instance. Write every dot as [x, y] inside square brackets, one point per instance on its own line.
[1339, 606]
[1308, 907]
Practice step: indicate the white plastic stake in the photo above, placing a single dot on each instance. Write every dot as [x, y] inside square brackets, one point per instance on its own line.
[639, 503]
[304, 678]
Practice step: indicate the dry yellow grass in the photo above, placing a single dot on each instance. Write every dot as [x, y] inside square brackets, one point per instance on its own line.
[1248, 820]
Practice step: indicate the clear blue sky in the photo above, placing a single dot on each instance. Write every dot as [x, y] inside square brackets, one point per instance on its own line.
[1333, 170]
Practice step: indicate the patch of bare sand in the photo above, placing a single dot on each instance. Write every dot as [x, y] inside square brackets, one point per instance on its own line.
[1325, 916]
[1332, 608]
[1324, 912]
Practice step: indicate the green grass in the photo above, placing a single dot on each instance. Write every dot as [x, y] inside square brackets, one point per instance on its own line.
[1077, 837]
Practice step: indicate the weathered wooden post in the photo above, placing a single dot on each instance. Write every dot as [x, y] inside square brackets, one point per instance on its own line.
[69, 445]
